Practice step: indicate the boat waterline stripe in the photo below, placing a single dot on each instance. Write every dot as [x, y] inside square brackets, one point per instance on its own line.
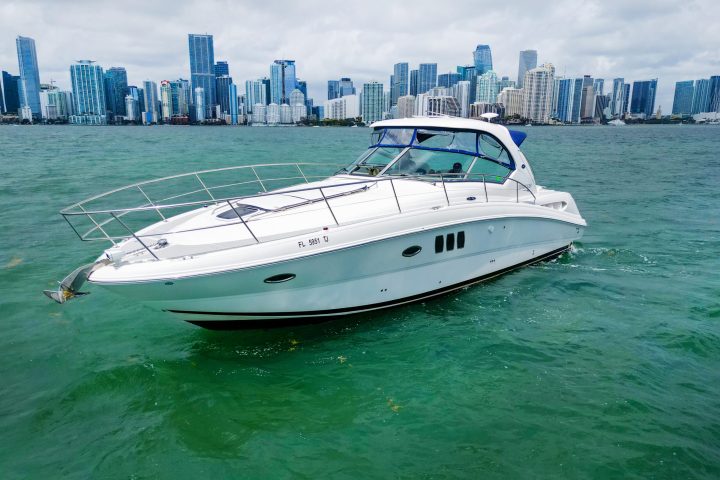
[389, 303]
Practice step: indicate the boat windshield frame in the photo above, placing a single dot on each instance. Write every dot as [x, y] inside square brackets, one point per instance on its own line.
[381, 140]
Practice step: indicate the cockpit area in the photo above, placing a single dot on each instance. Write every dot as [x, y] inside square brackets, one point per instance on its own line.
[453, 155]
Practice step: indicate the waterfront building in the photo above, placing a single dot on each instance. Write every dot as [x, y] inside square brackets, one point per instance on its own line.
[151, 114]
[29, 75]
[683, 99]
[10, 93]
[373, 102]
[233, 104]
[602, 107]
[333, 89]
[88, 88]
[181, 98]
[477, 109]
[427, 77]
[221, 68]
[400, 84]
[482, 59]
[202, 72]
[347, 107]
[346, 87]
[297, 97]
[299, 112]
[537, 98]
[259, 113]
[714, 105]
[406, 106]
[282, 81]
[132, 108]
[413, 87]
[512, 101]
[200, 108]
[273, 114]
[701, 96]
[439, 91]
[421, 104]
[568, 100]
[527, 61]
[166, 101]
[468, 73]
[55, 104]
[643, 97]
[599, 87]
[116, 85]
[505, 82]
[617, 100]
[587, 100]
[222, 90]
[626, 98]
[139, 95]
[302, 86]
[443, 105]
[256, 92]
[462, 94]
[487, 87]
[448, 80]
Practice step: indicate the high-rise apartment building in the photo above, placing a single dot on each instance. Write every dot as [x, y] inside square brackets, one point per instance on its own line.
[701, 96]
[333, 89]
[282, 81]
[527, 61]
[400, 83]
[462, 94]
[116, 85]
[88, 88]
[413, 87]
[512, 100]
[373, 102]
[29, 75]
[538, 93]
[221, 68]
[448, 80]
[151, 114]
[222, 89]
[468, 73]
[427, 77]
[482, 59]
[714, 105]
[683, 99]
[406, 106]
[643, 97]
[10, 98]
[202, 71]
[487, 87]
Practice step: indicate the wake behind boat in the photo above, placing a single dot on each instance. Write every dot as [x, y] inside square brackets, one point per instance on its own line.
[434, 204]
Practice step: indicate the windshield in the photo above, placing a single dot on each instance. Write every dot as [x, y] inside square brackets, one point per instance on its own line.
[452, 154]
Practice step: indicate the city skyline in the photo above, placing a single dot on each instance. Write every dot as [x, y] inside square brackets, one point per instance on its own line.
[606, 40]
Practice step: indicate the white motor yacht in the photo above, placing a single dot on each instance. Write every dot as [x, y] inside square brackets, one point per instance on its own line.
[435, 204]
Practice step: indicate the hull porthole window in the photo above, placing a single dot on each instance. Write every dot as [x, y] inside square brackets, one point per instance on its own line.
[282, 277]
[411, 251]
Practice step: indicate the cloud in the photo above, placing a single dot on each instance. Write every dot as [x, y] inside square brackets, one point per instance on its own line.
[636, 40]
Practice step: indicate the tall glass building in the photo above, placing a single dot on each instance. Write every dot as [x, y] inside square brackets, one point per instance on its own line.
[482, 58]
[88, 87]
[116, 87]
[487, 87]
[373, 102]
[151, 113]
[427, 77]
[223, 93]
[181, 97]
[527, 61]
[346, 87]
[448, 80]
[643, 97]
[701, 96]
[683, 99]
[333, 89]
[282, 80]
[714, 94]
[467, 73]
[401, 82]
[10, 99]
[202, 69]
[29, 75]
[599, 87]
[222, 68]
[413, 88]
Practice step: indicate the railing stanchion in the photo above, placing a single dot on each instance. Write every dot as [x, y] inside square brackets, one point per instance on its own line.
[203, 185]
[442, 179]
[328, 205]
[487, 199]
[258, 179]
[151, 202]
[97, 224]
[243, 221]
[301, 172]
[134, 236]
[517, 192]
[396, 197]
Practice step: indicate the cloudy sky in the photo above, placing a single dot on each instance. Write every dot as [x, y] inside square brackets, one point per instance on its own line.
[668, 39]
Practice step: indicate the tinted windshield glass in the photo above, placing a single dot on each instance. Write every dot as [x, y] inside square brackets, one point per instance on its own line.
[431, 162]
[374, 161]
[395, 136]
[460, 141]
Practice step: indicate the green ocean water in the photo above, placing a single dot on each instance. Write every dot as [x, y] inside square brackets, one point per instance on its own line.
[602, 364]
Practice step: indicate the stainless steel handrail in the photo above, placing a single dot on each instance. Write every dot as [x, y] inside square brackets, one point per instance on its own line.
[79, 208]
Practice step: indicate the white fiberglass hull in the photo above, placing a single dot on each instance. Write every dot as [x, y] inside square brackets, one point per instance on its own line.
[356, 278]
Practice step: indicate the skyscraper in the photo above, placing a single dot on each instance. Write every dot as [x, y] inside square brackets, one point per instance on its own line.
[413, 88]
[683, 99]
[200, 108]
[448, 80]
[527, 61]
[181, 97]
[223, 84]
[282, 80]
[333, 89]
[11, 93]
[29, 75]
[166, 101]
[222, 68]
[255, 94]
[643, 97]
[151, 113]
[701, 96]
[617, 101]
[468, 73]
[599, 87]
[346, 87]
[462, 94]
[482, 58]
[202, 69]
[487, 87]
[427, 77]
[88, 89]
[714, 105]
[538, 93]
[401, 82]
[372, 102]
[115, 90]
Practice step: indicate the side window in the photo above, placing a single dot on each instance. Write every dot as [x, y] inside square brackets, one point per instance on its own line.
[439, 243]
[461, 240]
[450, 242]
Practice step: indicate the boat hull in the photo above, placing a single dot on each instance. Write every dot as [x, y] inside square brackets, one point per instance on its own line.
[346, 281]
